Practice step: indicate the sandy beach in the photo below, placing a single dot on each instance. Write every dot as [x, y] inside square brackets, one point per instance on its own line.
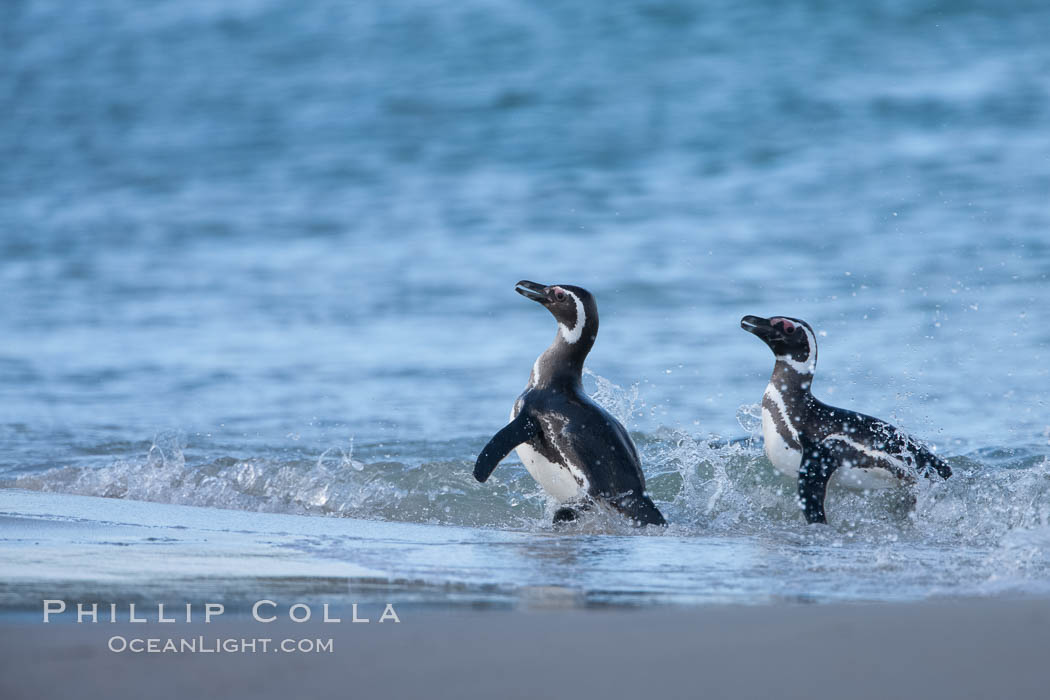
[450, 640]
[949, 649]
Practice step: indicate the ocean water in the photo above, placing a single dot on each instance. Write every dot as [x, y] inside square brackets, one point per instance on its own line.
[260, 256]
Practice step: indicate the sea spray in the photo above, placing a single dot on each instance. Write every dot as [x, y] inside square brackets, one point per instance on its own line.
[708, 486]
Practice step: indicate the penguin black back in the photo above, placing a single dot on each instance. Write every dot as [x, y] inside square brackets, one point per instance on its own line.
[807, 438]
[579, 453]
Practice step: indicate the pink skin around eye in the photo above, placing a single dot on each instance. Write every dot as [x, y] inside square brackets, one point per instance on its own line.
[788, 325]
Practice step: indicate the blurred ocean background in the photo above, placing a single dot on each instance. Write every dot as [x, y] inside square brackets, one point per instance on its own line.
[260, 255]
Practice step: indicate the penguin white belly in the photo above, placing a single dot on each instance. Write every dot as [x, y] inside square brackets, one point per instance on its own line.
[787, 460]
[555, 479]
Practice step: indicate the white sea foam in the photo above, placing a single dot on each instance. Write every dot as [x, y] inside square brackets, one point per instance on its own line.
[984, 530]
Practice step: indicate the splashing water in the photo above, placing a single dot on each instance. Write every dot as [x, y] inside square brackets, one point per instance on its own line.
[984, 531]
[705, 486]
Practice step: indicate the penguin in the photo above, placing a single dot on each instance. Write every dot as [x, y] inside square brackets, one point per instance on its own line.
[810, 440]
[576, 450]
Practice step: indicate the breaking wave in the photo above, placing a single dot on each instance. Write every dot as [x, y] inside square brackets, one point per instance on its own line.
[703, 484]
[984, 531]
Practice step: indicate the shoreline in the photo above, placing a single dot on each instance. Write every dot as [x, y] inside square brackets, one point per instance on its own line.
[91, 549]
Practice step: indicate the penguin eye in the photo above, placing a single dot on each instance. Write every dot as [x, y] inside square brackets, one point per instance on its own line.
[790, 330]
[559, 295]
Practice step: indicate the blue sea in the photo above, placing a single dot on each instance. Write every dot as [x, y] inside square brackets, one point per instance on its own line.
[259, 256]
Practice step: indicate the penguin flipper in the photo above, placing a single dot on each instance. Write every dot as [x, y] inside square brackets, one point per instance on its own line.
[519, 430]
[819, 462]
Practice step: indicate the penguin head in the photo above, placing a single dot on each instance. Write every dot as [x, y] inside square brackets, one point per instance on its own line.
[572, 307]
[792, 340]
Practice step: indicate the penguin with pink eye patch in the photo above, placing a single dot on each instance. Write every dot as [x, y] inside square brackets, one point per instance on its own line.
[810, 440]
[579, 453]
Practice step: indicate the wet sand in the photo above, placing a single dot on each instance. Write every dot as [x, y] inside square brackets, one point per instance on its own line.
[987, 648]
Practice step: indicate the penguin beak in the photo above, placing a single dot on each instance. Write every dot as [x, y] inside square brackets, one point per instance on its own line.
[759, 326]
[531, 290]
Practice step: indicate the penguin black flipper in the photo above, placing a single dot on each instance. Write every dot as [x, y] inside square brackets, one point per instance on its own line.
[574, 449]
[808, 439]
[521, 429]
[819, 462]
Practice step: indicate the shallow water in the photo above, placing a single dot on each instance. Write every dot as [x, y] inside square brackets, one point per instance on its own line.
[262, 257]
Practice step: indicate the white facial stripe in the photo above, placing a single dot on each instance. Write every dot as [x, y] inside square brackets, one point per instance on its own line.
[810, 363]
[812, 343]
[573, 334]
[875, 454]
[774, 395]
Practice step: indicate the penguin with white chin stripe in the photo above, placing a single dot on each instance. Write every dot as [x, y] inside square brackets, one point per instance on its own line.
[810, 440]
[579, 453]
